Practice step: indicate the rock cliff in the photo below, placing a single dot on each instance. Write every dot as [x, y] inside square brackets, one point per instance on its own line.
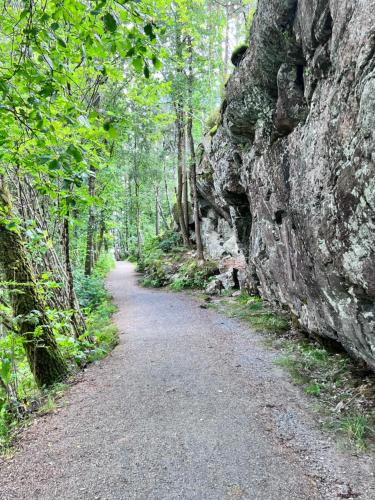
[286, 182]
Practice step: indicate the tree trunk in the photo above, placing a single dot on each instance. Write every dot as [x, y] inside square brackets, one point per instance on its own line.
[90, 251]
[192, 159]
[185, 176]
[179, 108]
[43, 355]
[157, 206]
[77, 319]
[138, 221]
[167, 226]
[180, 167]
[166, 192]
[127, 210]
[101, 237]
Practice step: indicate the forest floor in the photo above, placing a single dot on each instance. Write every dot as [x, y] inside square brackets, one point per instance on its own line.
[189, 405]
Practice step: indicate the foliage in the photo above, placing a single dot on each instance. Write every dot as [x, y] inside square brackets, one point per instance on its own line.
[90, 289]
[345, 396]
[357, 428]
[213, 119]
[164, 264]
[343, 392]
[101, 328]
[166, 242]
[193, 275]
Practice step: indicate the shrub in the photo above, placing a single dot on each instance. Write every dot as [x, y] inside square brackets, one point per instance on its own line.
[192, 274]
[90, 289]
[165, 262]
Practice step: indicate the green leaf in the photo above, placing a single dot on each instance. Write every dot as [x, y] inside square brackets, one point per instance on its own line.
[138, 63]
[61, 42]
[54, 164]
[6, 370]
[47, 90]
[110, 22]
[146, 71]
[130, 52]
[75, 152]
[148, 29]
[45, 158]
[12, 226]
[157, 64]
[24, 13]
[4, 87]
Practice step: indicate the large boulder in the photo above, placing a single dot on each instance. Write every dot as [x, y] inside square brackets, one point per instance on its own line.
[290, 170]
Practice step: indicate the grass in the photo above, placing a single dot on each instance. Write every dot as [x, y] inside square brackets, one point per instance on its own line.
[254, 311]
[343, 391]
[357, 428]
[40, 403]
[346, 398]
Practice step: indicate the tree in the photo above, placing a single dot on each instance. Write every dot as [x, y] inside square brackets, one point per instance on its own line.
[193, 166]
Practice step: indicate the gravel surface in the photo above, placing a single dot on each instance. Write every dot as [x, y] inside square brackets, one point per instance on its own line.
[188, 406]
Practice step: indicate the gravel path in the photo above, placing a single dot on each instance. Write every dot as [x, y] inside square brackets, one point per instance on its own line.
[188, 406]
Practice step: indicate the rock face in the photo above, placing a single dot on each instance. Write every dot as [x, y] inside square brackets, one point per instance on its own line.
[287, 183]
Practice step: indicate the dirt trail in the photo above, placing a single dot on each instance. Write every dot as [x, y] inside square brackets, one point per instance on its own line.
[188, 406]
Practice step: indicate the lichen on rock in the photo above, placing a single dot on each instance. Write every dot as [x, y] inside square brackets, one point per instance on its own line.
[291, 184]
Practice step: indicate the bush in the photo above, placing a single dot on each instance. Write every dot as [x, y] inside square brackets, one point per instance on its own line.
[90, 289]
[169, 241]
[192, 274]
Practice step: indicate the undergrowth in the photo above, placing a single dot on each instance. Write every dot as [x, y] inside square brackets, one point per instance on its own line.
[166, 263]
[19, 395]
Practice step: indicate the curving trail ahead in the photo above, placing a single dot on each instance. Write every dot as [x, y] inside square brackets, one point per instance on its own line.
[188, 406]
